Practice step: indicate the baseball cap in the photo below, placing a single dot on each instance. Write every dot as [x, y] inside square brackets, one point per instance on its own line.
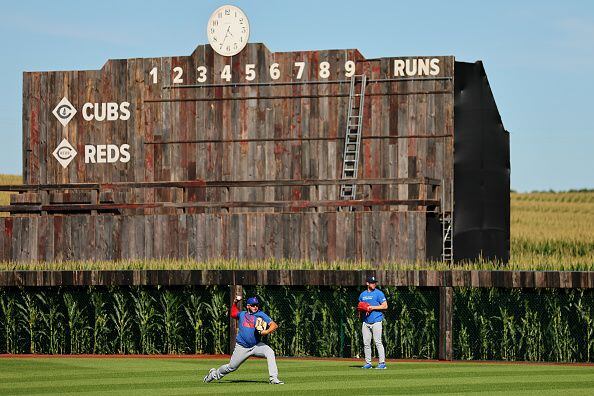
[371, 279]
[253, 301]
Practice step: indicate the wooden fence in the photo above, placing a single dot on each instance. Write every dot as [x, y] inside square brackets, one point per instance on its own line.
[236, 279]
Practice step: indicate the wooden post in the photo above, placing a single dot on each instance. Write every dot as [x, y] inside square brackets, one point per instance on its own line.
[94, 200]
[234, 291]
[445, 322]
[45, 200]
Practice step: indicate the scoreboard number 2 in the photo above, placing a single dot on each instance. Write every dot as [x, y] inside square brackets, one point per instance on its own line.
[250, 74]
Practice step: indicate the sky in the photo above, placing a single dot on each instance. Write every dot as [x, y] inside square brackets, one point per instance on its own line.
[539, 57]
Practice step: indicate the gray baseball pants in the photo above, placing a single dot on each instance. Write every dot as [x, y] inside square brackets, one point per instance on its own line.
[373, 330]
[241, 354]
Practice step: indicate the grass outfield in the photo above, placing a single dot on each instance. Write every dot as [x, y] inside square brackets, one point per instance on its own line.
[137, 376]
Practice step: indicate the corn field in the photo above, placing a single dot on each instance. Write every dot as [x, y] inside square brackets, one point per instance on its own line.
[553, 325]
[99, 320]
[489, 324]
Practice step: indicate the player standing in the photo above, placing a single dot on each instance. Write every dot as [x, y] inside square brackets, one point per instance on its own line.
[372, 301]
[252, 325]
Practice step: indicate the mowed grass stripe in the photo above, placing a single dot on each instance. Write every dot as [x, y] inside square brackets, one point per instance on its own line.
[395, 372]
[150, 376]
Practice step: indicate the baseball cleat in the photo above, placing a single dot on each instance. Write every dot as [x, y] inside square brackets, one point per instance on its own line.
[367, 366]
[276, 381]
[210, 376]
[381, 366]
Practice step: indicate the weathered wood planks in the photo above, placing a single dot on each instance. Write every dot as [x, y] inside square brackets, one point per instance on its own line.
[417, 278]
[317, 236]
[220, 130]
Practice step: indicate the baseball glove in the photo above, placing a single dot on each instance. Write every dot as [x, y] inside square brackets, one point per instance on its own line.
[362, 306]
[260, 325]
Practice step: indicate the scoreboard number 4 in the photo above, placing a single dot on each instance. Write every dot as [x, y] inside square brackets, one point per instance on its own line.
[250, 74]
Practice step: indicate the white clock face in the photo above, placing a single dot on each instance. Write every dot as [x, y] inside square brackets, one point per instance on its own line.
[228, 30]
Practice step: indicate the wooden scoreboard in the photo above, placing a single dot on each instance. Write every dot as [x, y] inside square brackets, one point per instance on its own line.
[318, 155]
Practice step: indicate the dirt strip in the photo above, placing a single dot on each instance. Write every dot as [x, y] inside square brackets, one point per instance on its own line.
[288, 358]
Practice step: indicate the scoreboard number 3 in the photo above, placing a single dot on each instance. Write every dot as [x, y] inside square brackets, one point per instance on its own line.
[250, 73]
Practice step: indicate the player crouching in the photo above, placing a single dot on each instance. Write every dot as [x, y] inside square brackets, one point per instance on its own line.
[252, 325]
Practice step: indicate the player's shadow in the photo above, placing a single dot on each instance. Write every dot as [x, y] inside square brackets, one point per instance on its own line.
[246, 381]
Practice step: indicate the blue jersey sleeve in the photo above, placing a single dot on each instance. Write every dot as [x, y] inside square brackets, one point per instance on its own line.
[265, 317]
[361, 297]
[381, 297]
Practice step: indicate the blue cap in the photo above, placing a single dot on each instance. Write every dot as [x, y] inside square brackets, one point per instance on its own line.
[371, 279]
[253, 301]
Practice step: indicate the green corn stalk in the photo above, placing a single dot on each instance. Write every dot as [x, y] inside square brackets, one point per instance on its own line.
[299, 313]
[328, 336]
[31, 317]
[485, 329]
[78, 326]
[531, 338]
[584, 312]
[147, 319]
[353, 323]
[464, 344]
[427, 348]
[508, 336]
[558, 333]
[194, 312]
[53, 321]
[406, 330]
[392, 325]
[343, 304]
[101, 339]
[424, 314]
[123, 320]
[218, 314]
[172, 321]
[12, 316]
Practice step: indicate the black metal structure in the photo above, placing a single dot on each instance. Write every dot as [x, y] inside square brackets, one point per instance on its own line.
[481, 169]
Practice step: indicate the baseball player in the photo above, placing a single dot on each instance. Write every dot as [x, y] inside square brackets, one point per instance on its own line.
[372, 302]
[252, 325]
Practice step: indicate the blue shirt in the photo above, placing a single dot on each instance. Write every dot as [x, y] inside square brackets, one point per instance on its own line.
[374, 298]
[247, 336]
